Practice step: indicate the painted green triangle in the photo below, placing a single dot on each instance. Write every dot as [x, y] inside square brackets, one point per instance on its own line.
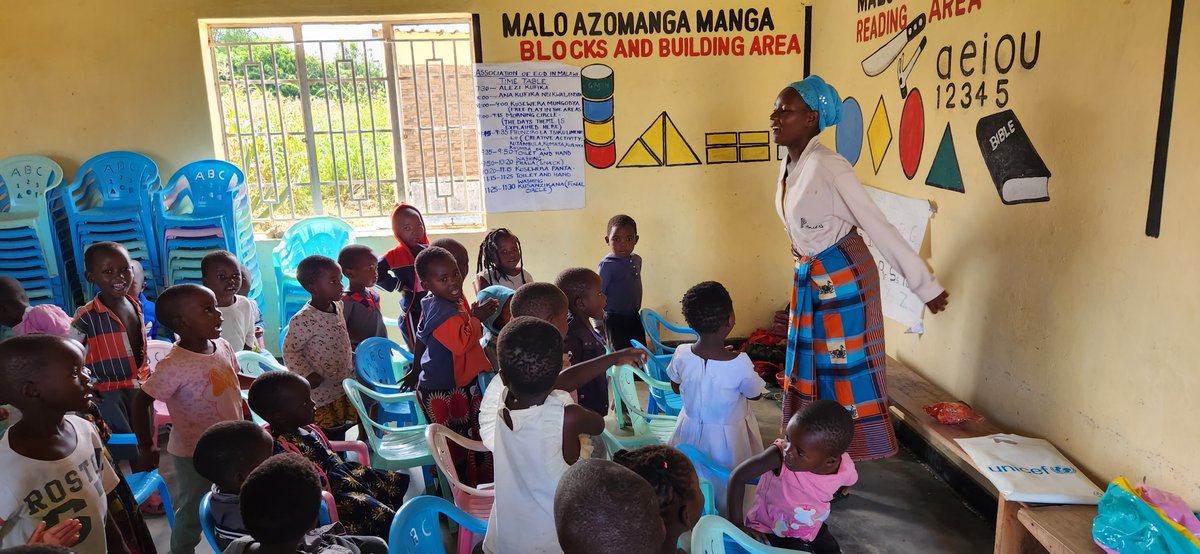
[945, 173]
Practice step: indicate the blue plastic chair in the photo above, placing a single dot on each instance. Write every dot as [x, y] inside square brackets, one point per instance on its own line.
[653, 323]
[324, 235]
[27, 182]
[416, 529]
[716, 535]
[110, 199]
[376, 361]
[665, 401]
[145, 483]
[209, 525]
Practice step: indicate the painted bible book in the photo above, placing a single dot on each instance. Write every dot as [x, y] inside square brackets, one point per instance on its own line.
[1017, 170]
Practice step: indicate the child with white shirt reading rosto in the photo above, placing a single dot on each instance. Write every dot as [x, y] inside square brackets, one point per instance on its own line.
[54, 469]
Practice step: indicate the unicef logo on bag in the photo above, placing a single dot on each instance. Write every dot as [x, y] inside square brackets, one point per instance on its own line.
[1043, 470]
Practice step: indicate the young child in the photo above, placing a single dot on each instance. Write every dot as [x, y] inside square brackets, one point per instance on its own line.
[113, 331]
[53, 462]
[585, 302]
[360, 304]
[457, 250]
[13, 304]
[138, 289]
[621, 273]
[17, 315]
[533, 431]
[715, 384]
[398, 272]
[226, 454]
[499, 261]
[198, 380]
[674, 480]
[280, 502]
[367, 498]
[497, 319]
[450, 359]
[544, 301]
[799, 477]
[317, 346]
[222, 274]
[603, 508]
[244, 290]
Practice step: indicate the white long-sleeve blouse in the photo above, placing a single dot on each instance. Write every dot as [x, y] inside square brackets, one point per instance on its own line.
[820, 199]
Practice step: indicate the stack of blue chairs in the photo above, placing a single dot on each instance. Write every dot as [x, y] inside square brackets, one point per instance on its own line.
[110, 200]
[310, 236]
[28, 251]
[205, 207]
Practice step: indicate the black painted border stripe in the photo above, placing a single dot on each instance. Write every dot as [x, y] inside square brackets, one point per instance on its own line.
[478, 38]
[1158, 174]
[807, 40]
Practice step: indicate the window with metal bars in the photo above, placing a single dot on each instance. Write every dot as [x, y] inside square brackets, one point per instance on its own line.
[347, 119]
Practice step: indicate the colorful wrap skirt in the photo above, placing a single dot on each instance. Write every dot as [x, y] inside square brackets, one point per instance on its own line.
[458, 409]
[835, 348]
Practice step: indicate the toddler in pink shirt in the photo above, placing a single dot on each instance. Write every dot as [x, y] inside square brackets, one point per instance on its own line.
[798, 477]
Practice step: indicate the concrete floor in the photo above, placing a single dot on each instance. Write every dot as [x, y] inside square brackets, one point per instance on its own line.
[898, 506]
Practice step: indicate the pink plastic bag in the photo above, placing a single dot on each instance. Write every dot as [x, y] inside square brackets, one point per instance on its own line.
[1172, 505]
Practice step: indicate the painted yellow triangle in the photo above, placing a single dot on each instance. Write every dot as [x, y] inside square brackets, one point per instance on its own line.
[653, 137]
[639, 155]
[679, 152]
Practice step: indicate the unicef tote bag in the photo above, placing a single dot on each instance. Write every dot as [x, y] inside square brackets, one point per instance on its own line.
[1030, 470]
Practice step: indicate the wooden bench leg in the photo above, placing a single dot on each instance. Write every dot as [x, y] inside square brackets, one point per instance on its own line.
[1011, 535]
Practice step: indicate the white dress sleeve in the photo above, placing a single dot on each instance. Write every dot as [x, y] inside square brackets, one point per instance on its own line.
[887, 239]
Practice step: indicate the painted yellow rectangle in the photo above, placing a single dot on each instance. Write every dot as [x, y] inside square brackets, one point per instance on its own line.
[720, 139]
[760, 153]
[753, 137]
[722, 154]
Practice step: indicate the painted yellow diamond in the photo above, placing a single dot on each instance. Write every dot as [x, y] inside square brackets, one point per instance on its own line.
[879, 134]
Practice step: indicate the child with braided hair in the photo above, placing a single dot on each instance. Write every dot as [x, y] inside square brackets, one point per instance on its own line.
[499, 261]
[674, 480]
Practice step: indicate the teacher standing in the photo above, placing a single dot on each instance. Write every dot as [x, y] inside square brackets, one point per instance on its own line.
[835, 332]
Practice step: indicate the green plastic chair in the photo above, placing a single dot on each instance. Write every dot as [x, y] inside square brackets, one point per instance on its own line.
[256, 363]
[716, 535]
[647, 428]
[392, 448]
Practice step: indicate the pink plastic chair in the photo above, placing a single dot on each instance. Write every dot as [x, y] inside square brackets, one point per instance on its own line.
[157, 350]
[476, 501]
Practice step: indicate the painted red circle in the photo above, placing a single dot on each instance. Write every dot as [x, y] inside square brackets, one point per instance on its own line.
[912, 133]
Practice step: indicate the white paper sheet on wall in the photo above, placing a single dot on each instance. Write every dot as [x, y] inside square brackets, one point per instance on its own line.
[531, 136]
[910, 216]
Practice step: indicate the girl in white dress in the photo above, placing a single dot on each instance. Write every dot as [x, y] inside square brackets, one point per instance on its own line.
[715, 384]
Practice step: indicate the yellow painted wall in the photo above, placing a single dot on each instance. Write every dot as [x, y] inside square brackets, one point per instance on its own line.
[696, 223]
[1066, 321]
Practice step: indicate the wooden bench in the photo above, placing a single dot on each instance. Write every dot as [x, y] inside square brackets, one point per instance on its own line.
[1020, 528]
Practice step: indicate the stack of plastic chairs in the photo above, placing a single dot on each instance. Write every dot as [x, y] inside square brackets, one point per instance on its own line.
[28, 251]
[205, 207]
[322, 235]
[109, 200]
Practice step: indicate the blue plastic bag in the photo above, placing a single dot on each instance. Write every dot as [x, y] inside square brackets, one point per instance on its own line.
[1128, 525]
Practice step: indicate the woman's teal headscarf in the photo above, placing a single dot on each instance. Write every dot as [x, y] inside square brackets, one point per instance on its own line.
[822, 98]
[501, 294]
